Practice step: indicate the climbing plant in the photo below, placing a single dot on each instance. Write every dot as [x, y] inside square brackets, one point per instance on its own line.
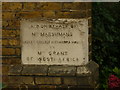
[106, 39]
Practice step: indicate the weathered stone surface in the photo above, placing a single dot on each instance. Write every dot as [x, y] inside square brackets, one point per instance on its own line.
[92, 66]
[62, 71]
[15, 80]
[89, 69]
[27, 80]
[53, 41]
[96, 77]
[20, 80]
[15, 70]
[69, 81]
[83, 71]
[85, 80]
[34, 70]
[48, 80]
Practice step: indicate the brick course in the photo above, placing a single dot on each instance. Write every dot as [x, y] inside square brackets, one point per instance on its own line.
[33, 76]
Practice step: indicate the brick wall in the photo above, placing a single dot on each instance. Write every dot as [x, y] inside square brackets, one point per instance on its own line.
[20, 76]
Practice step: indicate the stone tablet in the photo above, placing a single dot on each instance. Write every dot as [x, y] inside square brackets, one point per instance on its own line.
[54, 42]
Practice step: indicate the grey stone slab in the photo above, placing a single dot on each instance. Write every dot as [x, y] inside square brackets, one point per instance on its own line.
[48, 80]
[15, 70]
[83, 71]
[19, 80]
[69, 81]
[85, 81]
[89, 69]
[34, 70]
[62, 71]
[92, 66]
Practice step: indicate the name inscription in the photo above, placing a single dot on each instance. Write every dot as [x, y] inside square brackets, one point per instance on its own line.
[54, 42]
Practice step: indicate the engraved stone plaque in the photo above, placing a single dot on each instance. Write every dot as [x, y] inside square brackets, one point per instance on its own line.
[54, 42]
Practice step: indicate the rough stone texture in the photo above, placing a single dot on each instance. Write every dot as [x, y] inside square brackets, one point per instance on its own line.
[34, 70]
[48, 80]
[87, 80]
[92, 66]
[83, 71]
[28, 80]
[14, 80]
[20, 80]
[15, 70]
[62, 71]
[69, 81]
